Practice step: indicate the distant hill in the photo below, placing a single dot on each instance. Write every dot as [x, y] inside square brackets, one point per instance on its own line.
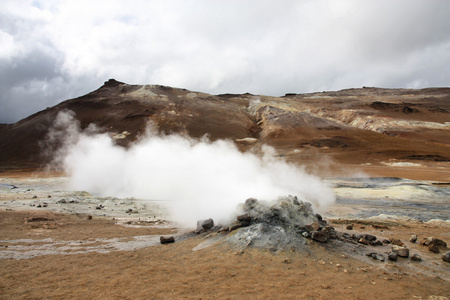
[352, 126]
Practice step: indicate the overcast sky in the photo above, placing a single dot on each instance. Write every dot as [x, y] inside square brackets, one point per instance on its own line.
[53, 50]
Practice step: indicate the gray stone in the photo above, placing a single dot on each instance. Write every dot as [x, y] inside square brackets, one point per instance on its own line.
[401, 251]
[356, 236]
[392, 256]
[376, 256]
[208, 224]
[413, 238]
[320, 236]
[376, 243]
[446, 257]
[416, 257]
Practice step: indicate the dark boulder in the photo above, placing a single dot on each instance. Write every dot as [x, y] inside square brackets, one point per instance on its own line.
[167, 240]
[393, 256]
[320, 236]
[370, 237]
[207, 224]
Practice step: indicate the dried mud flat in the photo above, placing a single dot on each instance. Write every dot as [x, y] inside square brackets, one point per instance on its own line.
[58, 252]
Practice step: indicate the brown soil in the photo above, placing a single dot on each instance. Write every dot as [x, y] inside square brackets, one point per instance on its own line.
[175, 271]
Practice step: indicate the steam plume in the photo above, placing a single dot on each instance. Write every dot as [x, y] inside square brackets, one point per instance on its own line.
[197, 179]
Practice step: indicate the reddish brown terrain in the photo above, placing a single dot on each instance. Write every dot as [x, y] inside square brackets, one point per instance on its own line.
[371, 128]
[75, 251]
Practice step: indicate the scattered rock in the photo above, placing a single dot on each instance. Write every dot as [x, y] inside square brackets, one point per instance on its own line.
[89, 217]
[433, 248]
[287, 261]
[446, 257]
[207, 224]
[392, 256]
[320, 236]
[39, 206]
[349, 227]
[377, 243]
[386, 241]
[167, 240]
[433, 240]
[413, 238]
[34, 197]
[369, 237]
[356, 237]
[396, 242]
[45, 204]
[376, 256]
[401, 251]
[363, 241]
[416, 257]
[62, 201]
[312, 227]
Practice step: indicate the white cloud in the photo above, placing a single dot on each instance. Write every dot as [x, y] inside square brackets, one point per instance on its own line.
[263, 47]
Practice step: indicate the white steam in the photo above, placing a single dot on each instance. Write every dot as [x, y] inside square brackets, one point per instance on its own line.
[196, 179]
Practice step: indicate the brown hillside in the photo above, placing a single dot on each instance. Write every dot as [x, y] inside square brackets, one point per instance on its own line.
[367, 126]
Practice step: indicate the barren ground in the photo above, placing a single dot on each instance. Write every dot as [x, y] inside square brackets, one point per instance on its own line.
[74, 257]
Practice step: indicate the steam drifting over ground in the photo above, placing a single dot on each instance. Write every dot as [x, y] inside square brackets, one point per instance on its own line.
[196, 179]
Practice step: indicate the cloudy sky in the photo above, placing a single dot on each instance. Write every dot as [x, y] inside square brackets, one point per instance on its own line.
[53, 50]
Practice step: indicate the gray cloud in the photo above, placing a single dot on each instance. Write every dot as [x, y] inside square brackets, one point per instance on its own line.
[55, 50]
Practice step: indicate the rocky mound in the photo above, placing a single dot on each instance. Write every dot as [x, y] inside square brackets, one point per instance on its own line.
[288, 224]
[277, 225]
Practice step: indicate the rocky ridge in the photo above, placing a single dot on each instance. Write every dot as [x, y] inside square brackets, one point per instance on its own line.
[367, 125]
